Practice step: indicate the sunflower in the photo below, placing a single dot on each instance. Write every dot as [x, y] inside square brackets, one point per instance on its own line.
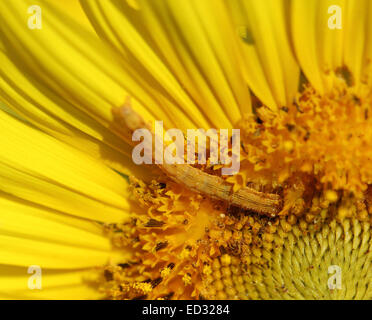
[294, 76]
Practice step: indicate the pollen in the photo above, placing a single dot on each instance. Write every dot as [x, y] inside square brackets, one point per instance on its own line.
[187, 279]
[225, 260]
[165, 272]
[331, 195]
[288, 145]
[325, 137]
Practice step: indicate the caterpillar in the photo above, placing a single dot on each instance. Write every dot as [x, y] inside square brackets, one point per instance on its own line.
[206, 184]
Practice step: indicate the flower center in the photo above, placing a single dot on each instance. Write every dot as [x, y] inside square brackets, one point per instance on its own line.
[332, 263]
[315, 156]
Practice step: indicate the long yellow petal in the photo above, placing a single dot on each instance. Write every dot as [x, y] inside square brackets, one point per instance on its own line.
[357, 21]
[55, 284]
[22, 251]
[56, 116]
[197, 38]
[272, 71]
[75, 11]
[25, 220]
[179, 48]
[64, 80]
[34, 235]
[321, 49]
[38, 168]
[368, 50]
[305, 39]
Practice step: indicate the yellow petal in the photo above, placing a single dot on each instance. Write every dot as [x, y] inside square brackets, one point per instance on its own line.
[73, 8]
[271, 69]
[68, 72]
[305, 39]
[53, 114]
[38, 168]
[23, 219]
[368, 49]
[357, 21]
[321, 50]
[23, 251]
[33, 235]
[63, 79]
[180, 49]
[55, 284]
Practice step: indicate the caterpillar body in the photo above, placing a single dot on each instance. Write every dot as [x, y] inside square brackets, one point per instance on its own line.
[210, 185]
